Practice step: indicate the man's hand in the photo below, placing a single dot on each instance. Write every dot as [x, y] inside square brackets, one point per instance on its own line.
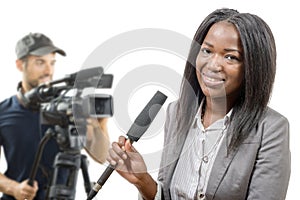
[25, 191]
[97, 143]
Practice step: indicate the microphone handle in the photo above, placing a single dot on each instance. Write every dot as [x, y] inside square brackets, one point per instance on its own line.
[105, 175]
[108, 171]
[101, 181]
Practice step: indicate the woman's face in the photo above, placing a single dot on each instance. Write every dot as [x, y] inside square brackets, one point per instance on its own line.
[220, 70]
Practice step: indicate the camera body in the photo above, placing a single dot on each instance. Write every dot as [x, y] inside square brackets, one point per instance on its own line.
[68, 113]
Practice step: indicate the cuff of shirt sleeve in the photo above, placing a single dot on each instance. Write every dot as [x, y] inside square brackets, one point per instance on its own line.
[158, 193]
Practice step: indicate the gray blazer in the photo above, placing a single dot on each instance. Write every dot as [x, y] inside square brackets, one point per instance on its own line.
[258, 169]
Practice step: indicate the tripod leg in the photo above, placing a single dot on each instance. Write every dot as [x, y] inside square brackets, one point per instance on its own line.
[65, 164]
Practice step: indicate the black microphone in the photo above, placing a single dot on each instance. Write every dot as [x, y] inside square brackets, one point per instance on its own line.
[135, 132]
[41, 94]
[47, 91]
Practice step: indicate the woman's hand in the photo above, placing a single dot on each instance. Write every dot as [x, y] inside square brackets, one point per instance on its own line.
[128, 162]
[130, 165]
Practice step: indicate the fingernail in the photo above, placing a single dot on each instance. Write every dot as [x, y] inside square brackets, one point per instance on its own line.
[121, 162]
[113, 162]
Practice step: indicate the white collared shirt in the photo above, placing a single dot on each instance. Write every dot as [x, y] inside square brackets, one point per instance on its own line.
[191, 174]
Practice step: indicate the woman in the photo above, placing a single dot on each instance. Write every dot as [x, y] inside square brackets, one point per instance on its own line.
[222, 141]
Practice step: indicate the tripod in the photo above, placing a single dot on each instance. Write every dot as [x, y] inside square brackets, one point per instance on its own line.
[67, 163]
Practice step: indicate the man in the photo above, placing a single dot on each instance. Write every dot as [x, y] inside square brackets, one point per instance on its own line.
[21, 130]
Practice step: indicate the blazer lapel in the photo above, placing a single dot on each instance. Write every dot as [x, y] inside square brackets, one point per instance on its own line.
[219, 169]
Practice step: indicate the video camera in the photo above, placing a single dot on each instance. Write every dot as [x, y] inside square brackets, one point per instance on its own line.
[67, 116]
[68, 113]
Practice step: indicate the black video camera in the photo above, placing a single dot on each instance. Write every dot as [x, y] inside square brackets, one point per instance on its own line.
[68, 113]
[66, 117]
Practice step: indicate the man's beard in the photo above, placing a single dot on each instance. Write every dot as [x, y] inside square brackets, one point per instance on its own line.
[36, 83]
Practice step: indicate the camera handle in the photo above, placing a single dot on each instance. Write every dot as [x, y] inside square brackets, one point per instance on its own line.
[49, 133]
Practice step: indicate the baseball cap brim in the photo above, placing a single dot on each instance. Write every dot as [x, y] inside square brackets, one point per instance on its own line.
[46, 50]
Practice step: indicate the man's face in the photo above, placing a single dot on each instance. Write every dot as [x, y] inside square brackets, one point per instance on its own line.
[37, 70]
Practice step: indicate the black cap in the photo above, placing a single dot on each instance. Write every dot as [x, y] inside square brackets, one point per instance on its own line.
[36, 44]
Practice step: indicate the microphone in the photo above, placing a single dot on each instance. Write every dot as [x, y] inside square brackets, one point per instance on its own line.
[41, 94]
[135, 132]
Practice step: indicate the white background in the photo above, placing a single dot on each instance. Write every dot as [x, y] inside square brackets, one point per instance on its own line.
[81, 26]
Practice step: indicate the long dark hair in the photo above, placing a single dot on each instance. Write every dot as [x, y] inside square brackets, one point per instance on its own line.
[259, 59]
